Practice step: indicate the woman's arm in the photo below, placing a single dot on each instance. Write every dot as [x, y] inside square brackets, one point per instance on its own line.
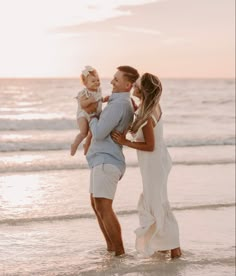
[149, 140]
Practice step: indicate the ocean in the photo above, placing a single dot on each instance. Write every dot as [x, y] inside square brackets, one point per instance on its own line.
[47, 226]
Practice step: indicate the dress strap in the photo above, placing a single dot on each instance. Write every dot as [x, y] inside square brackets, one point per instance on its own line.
[154, 119]
[86, 93]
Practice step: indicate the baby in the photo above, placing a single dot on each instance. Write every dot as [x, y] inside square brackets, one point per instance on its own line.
[89, 95]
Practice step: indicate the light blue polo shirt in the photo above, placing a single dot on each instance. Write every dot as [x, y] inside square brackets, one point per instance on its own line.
[117, 115]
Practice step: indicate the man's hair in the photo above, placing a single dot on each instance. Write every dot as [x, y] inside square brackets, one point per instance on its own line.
[129, 72]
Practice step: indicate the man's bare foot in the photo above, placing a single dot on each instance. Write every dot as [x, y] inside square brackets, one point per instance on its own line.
[111, 248]
[119, 252]
[176, 253]
[73, 149]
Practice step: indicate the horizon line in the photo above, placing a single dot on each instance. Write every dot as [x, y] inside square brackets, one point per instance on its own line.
[78, 77]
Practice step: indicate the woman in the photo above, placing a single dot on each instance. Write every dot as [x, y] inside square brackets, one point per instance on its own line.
[158, 229]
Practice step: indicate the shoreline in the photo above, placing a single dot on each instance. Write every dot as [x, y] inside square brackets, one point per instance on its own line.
[77, 248]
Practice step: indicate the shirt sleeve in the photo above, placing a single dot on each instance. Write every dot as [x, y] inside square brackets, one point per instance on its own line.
[109, 119]
[82, 93]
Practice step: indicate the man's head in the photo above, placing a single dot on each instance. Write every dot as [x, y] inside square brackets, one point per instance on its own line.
[124, 78]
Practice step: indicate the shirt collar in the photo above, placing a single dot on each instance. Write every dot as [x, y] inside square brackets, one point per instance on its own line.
[120, 95]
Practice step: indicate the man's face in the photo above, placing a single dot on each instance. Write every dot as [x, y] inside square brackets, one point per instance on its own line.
[120, 83]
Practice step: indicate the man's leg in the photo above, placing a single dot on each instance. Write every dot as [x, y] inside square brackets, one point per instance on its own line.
[110, 222]
[110, 246]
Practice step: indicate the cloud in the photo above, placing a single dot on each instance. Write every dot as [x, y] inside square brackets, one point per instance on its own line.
[176, 40]
[138, 30]
[44, 14]
[77, 13]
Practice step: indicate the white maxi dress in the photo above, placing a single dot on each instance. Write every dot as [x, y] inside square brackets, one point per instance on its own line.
[158, 227]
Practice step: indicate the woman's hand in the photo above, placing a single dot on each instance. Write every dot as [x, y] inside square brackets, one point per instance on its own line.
[118, 137]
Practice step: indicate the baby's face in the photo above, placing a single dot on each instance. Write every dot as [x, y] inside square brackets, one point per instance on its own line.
[92, 82]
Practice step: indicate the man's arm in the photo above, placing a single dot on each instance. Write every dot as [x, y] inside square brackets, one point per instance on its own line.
[107, 122]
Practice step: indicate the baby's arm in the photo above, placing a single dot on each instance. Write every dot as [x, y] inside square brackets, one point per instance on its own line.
[85, 102]
[87, 142]
[105, 99]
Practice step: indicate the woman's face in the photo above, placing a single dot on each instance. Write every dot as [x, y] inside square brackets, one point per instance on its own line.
[137, 90]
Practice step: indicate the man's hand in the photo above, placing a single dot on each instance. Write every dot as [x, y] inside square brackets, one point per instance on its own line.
[92, 108]
[105, 99]
[134, 104]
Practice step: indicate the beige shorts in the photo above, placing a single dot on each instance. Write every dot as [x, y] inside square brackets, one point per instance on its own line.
[103, 181]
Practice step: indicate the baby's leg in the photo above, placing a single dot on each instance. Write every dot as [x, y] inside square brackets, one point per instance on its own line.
[84, 128]
[78, 120]
[87, 142]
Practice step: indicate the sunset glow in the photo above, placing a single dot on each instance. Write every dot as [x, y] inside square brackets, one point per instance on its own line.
[176, 38]
[21, 190]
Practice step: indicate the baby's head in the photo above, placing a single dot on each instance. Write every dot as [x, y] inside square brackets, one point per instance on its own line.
[90, 78]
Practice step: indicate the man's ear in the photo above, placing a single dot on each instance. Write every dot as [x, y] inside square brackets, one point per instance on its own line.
[129, 85]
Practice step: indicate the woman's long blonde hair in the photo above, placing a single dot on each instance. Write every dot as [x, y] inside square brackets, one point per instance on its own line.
[151, 89]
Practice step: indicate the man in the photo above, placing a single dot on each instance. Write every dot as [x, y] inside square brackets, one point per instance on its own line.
[105, 157]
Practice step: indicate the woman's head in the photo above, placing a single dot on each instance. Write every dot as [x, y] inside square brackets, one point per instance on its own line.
[148, 89]
[90, 78]
[151, 87]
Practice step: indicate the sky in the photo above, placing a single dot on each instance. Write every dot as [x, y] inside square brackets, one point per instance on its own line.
[171, 38]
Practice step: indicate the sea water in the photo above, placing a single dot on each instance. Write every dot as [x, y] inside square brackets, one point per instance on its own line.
[47, 226]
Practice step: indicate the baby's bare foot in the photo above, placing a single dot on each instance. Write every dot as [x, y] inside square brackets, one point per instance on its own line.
[119, 252]
[73, 149]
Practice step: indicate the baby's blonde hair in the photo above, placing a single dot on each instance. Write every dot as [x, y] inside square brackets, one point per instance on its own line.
[151, 90]
[88, 71]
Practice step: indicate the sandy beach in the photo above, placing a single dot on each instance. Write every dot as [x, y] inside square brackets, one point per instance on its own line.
[51, 53]
[60, 235]
[47, 226]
